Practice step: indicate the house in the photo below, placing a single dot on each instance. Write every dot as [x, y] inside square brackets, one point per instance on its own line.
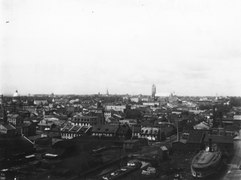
[237, 117]
[130, 122]
[15, 119]
[28, 129]
[124, 132]
[195, 139]
[135, 99]
[224, 141]
[81, 120]
[40, 102]
[70, 131]
[151, 104]
[116, 107]
[136, 131]
[47, 124]
[107, 130]
[150, 133]
[190, 141]
[118, 115]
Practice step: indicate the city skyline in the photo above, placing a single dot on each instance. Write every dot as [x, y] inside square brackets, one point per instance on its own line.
[81, 47]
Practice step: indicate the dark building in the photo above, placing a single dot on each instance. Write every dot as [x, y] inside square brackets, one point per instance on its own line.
[82, 120]
[12, 147]
[114, 131]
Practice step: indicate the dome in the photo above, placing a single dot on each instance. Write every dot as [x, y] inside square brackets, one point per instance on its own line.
[15, 94]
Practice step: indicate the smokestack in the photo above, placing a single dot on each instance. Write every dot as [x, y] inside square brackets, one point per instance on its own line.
[210, 144]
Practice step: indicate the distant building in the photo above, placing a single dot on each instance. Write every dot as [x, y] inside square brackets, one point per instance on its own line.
[116, 107]
[47, 124]
[145, 99]
[71, 131]
[136, 131]
[16, 96]
[15, 119]
[151, 104]
[130, 122]
[40, 102]
[81, 120]
[150, 133]
[237, 117]
[28, 129]
[105, 130]
[116, 131]
[135, 99]
[153, 91]
[173, 98]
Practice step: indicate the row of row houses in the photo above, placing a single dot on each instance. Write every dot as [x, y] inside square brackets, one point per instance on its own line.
[121, 131]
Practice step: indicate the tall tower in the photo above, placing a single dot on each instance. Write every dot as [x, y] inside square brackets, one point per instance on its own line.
[153, 91]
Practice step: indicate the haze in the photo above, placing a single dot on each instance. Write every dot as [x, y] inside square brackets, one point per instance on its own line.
[125, 46]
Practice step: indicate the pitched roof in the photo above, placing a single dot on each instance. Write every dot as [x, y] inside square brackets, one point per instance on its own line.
[105, 129]
[219, 139]
[8, 126]
[195, 136]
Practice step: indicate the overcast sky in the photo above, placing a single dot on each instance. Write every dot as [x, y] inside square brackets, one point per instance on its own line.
[88, 46]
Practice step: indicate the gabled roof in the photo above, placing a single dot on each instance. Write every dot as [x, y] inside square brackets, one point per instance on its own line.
[13, 115]
[149, 130]
[8, 126]
[75, 129]
[105, 128]
[219, 139]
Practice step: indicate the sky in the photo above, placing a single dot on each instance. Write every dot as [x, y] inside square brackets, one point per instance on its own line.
[190, 47]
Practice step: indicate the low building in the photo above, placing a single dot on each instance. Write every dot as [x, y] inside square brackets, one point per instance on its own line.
[28, 129]
[40, 102]
[150, 133]
[135, 99]
[130, 122]
[71, 131]
[15, 119]
[136, 131]
[105, 130]
[81, 120]
[225, 143]
[155, 104]
[117, 131]
[47, 124]
[121, 108]
[237, 117]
